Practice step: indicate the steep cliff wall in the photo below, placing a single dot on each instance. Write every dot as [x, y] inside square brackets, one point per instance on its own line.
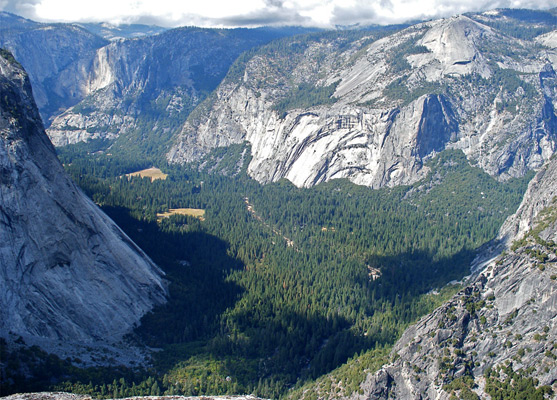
[58, 58]
[67, 272]
[143, 89]
[373, 110]
[506, 316]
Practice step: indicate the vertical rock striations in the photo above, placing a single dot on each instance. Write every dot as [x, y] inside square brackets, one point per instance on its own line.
[67, 272]
[373, 109]
[146, 87]
[57, 58]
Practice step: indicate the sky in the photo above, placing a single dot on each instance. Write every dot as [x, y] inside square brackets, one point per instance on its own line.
[252, 13]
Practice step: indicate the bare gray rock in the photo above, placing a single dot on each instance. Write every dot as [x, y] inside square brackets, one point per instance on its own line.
[56, 56]
[451, 83]
[150, 84]
[67, 272]
[507, 314]
[541, 193]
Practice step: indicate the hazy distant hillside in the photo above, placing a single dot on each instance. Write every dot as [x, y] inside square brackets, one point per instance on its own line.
[141, 91]
[57, 58]
[123, 31]
[143, 85]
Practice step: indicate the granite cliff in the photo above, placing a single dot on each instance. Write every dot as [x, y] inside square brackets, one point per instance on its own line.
[67, 272]
[373, 109]
[371, 105]
[57, 58]
[141, 85]
[154, 81]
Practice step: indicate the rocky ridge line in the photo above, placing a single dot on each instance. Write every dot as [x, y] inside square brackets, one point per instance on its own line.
[452, 83]
[502, 325]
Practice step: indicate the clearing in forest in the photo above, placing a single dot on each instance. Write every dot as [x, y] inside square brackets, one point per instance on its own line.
[153, 173]
[192, 212]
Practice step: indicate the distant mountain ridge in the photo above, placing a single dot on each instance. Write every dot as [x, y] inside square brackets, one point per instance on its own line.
[141, 88]
[374, 109]
[368, 105]
[122, 31]
[54, 55]
[145, 88]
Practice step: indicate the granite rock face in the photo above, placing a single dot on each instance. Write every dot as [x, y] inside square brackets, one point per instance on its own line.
[370, 107]
[396, 101]
[67, 272]
[507, 314]
[57, 57]
[540, 195]
[151, 84]
[143, 82]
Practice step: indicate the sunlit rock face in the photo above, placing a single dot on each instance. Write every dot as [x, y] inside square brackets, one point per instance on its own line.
[398, 100]
[150, 84]
[508, 314]
[57, 57]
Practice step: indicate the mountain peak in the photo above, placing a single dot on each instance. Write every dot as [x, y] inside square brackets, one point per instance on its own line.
[365, 116]
[453, 43]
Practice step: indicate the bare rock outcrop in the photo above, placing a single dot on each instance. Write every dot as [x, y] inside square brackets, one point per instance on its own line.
[506, 318]
[67, 272]
[386, 106]
[151, 84]
[57, 58]
[540, 195]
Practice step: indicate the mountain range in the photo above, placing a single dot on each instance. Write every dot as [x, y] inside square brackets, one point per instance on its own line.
[141, 89]
[373, 106]
[374, 111]
[368, 105]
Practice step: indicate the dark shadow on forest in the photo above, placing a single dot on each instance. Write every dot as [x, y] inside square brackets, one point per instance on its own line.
[289, 346]
[270, 340]
[196, 265]
[264, 346]
[417, 272]
[283, 343]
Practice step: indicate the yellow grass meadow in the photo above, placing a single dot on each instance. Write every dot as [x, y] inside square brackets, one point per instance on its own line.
[192, 212]
[153, 173]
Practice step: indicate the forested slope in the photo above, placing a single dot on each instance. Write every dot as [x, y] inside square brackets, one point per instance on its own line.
[304, 278]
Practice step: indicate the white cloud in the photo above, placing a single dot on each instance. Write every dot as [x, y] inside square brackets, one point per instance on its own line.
[254, 12]
[25, 8]
[129, 10]
[397, 11]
